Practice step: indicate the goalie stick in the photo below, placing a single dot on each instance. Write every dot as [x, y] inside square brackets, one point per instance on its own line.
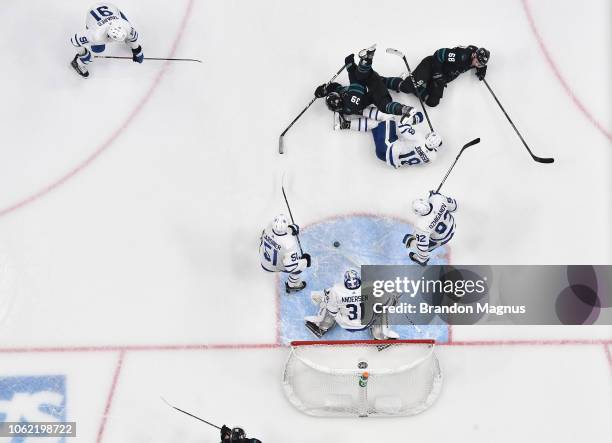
[281, 147]
[467, 145]
[191, 415]
[402, 56]
[150, 58]
[535, 157]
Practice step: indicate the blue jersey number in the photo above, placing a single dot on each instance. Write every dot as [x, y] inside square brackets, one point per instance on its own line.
[355, 311]
[270, 254]
[101, 11]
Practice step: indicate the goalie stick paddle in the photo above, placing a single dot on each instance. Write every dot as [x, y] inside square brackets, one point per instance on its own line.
[402, 56]
[150, 58]
[281, 147]
[535, 157]
[467, 145]
[291, 215]
[191, 415]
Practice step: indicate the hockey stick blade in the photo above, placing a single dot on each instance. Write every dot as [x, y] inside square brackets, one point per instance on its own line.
[468, 144]
[395, 52]
[281, 147]
[543, 160]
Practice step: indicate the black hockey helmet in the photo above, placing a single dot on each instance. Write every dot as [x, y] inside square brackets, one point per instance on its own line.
[334, 101]
[482, 55]
[237, 435]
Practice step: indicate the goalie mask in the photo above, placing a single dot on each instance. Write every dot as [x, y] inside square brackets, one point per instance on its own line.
[352, 280]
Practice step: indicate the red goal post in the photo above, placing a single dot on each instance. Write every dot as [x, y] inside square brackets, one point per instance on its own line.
[362, 377]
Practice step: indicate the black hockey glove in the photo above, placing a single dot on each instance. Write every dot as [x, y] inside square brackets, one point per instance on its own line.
[321, 91]
[226, 433]
[481, 72]
[349, 60]
[295, 229]
[306, 257]
[137, 55]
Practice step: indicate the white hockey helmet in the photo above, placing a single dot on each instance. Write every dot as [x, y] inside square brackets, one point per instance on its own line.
[433, 141]
[280, 224]
[421, 206]
[117, 31]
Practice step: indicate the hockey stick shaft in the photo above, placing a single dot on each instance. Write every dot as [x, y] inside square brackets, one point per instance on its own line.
[467, 145]
[280, 139]
[535, 157]
[292, 220]
[191, 415]
[416, 92]
[151, 58]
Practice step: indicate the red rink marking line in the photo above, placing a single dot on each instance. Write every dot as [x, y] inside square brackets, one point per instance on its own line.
[238, 346]
[111, 394]
[114, 136]
[557, 72]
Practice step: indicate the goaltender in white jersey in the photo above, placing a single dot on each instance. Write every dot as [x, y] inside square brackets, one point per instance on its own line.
[434, 228]
[397, 144]
[343, 304]
[279, 251]
[104, 23]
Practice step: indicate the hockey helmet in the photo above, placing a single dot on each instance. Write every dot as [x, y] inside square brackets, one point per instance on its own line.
[333, 100]
[433, 141]
[280, 224]
[482, 55]
[117, 31]
[237, 435]
[352, 280]
[421, 206]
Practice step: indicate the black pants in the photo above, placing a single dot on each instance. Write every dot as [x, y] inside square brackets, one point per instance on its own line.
[430, 91]
[377, 93]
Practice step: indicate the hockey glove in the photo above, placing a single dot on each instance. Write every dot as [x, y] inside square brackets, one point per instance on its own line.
[415, 258]
[481, 72]
[226, 433]
[295, 229]
[349, 60]
[321, 91]
[138, 55]
[408, 113]
[306, 257]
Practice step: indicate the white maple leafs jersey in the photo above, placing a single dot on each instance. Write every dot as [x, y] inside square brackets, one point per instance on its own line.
[346, 306]
[437, 227]
[400, 145]
[99, 19]
[280, 253]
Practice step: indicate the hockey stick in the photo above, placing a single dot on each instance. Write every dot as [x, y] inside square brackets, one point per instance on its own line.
[291, 216]
[191, 415]
[150, 58]
[467, 145]
[535, 157]
[281, 148]
[401, 54]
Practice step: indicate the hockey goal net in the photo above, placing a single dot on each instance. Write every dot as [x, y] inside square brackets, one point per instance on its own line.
[362, 378]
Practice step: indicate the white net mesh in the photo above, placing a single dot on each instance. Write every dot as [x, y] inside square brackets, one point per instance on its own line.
[327, 378]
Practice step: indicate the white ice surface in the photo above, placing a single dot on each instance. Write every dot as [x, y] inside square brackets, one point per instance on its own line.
[154, 241]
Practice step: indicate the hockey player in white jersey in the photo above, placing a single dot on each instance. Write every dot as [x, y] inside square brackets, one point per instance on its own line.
[434, 228]
[105, 23]
[397, 144]
[279, 251]
[343, 304]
